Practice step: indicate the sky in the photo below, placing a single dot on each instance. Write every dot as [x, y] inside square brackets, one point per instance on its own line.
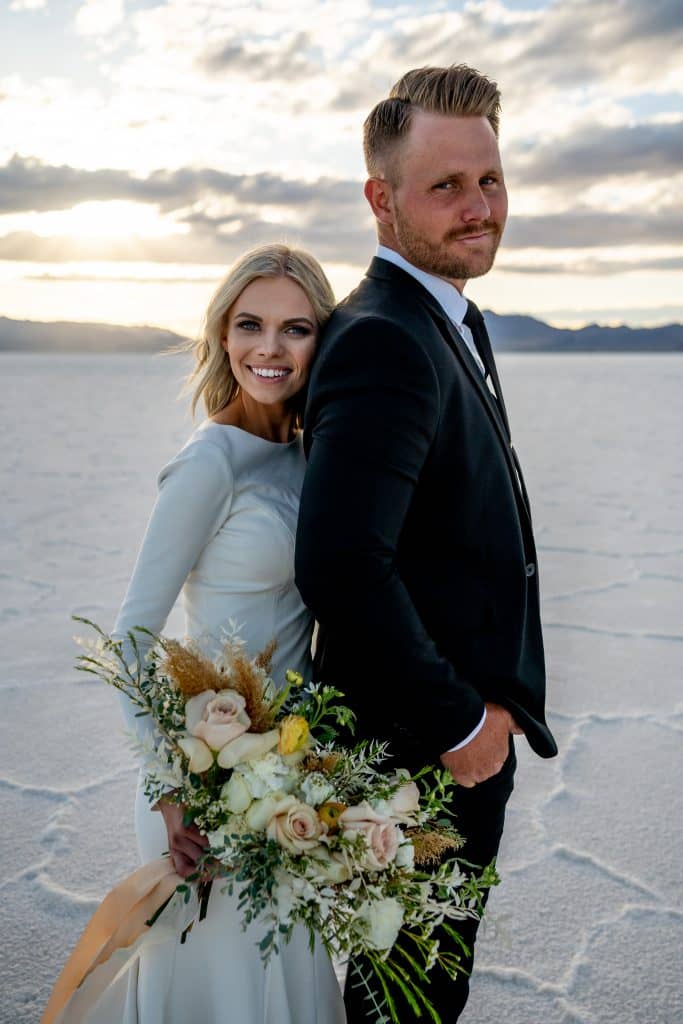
[146, 144]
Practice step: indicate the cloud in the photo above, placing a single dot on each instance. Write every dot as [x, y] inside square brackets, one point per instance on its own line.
[537, 56]
[29, 184]
[343, 239]
[592, 37]
[588, 229]
[337, 243]
[98, 17]
[597, 151]
[594, 267]
[273, 61]
[122, 278]
[27, 5]
[227, 213]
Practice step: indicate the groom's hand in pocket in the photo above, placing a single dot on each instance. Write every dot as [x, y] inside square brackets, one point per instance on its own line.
[186, 844]
[485, 755]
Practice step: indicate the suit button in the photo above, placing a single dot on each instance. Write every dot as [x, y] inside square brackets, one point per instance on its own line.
[530, 569]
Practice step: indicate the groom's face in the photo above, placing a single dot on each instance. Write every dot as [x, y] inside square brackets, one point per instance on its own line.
[447, 195]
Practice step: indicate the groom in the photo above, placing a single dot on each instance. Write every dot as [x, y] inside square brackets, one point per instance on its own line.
[415, 549]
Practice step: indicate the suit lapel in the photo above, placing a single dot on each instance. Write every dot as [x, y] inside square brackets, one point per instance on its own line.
[495, 408]
[497, 412]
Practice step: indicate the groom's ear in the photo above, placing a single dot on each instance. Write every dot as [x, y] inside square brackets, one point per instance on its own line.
[379, 194]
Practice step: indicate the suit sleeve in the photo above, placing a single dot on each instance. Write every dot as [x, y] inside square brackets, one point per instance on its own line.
[372, 415]
[194, 496]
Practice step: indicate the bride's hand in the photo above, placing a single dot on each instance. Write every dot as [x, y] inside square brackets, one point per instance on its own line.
[185, 844]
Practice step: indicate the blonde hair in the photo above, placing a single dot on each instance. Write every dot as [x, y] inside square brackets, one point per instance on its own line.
[212, 377]
[458, 90]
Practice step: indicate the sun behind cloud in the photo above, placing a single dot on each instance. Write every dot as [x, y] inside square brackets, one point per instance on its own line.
[181, 134]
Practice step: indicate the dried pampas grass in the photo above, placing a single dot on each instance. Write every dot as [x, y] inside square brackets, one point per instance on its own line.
[193, 673]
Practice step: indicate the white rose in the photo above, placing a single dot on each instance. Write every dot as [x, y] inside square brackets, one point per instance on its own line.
[201, 757]
[328, 867]
[382, 920]
[405, 803]
[236, 794]
[216, 718]
[405, 855]
[261, 811]
[316, 788]
[247, 747]
[380, 834]
[295, 826]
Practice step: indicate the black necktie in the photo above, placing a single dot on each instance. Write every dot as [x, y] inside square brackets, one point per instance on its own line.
[475, 321]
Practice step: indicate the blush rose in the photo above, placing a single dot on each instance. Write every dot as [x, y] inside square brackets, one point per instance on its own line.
[216, 718]
[295, 826]
[380, 834]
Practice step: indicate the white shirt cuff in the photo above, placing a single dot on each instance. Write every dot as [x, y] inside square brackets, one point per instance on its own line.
[463, 743]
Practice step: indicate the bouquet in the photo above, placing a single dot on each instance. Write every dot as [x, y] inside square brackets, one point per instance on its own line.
[306, 830]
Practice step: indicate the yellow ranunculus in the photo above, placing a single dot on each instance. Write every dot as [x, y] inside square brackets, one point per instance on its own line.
[294, 678]
[293, 734]
[330, 814]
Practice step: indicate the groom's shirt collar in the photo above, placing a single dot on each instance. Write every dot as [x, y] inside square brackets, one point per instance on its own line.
[447, 295]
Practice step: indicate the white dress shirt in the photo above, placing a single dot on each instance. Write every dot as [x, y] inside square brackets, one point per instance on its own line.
[454, 306]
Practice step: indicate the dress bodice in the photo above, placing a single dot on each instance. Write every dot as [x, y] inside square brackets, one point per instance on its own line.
[222, 532]
[246, 571]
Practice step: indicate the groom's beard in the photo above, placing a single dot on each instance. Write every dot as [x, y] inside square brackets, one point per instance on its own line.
[439, 259]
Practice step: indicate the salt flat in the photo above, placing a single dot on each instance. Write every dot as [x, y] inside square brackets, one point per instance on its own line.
[588, 922]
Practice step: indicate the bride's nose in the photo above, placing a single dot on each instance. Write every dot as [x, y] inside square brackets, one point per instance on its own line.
[270, 343]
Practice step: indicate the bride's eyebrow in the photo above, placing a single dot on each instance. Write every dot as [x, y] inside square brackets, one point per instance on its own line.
[252, 316]
[299, 320]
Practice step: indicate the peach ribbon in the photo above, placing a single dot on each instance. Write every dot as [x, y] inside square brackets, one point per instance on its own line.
[113, 937]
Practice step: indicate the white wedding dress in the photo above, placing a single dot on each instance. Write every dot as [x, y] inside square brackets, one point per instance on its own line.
[223, 531]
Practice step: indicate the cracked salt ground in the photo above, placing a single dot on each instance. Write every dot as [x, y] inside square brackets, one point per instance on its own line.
[587, 924]
[622, 771]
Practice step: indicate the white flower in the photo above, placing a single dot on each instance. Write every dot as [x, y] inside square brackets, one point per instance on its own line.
[199, 754]
[267, 774]
[261, 811]
[316, 788]
[289, 891]
[247, 747]
[382, 920]
[328, 867]
[236, 794]
[405, 855]
[217, 838]
[283, 896]
[405, 803]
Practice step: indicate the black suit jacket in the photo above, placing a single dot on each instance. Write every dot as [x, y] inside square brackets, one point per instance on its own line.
[415, 549]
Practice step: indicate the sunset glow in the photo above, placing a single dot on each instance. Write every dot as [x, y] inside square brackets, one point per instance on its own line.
[175, 136]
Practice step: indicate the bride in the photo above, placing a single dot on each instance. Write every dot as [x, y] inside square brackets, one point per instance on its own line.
[222, 531]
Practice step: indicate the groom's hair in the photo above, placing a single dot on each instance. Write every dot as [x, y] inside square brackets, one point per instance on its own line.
[458, 90]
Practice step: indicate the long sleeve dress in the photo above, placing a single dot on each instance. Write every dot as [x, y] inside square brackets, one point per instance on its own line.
[222, 532]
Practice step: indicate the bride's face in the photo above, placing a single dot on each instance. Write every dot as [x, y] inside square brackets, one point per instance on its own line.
[271, 333]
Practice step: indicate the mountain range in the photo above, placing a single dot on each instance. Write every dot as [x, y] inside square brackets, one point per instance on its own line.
[508, 334]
